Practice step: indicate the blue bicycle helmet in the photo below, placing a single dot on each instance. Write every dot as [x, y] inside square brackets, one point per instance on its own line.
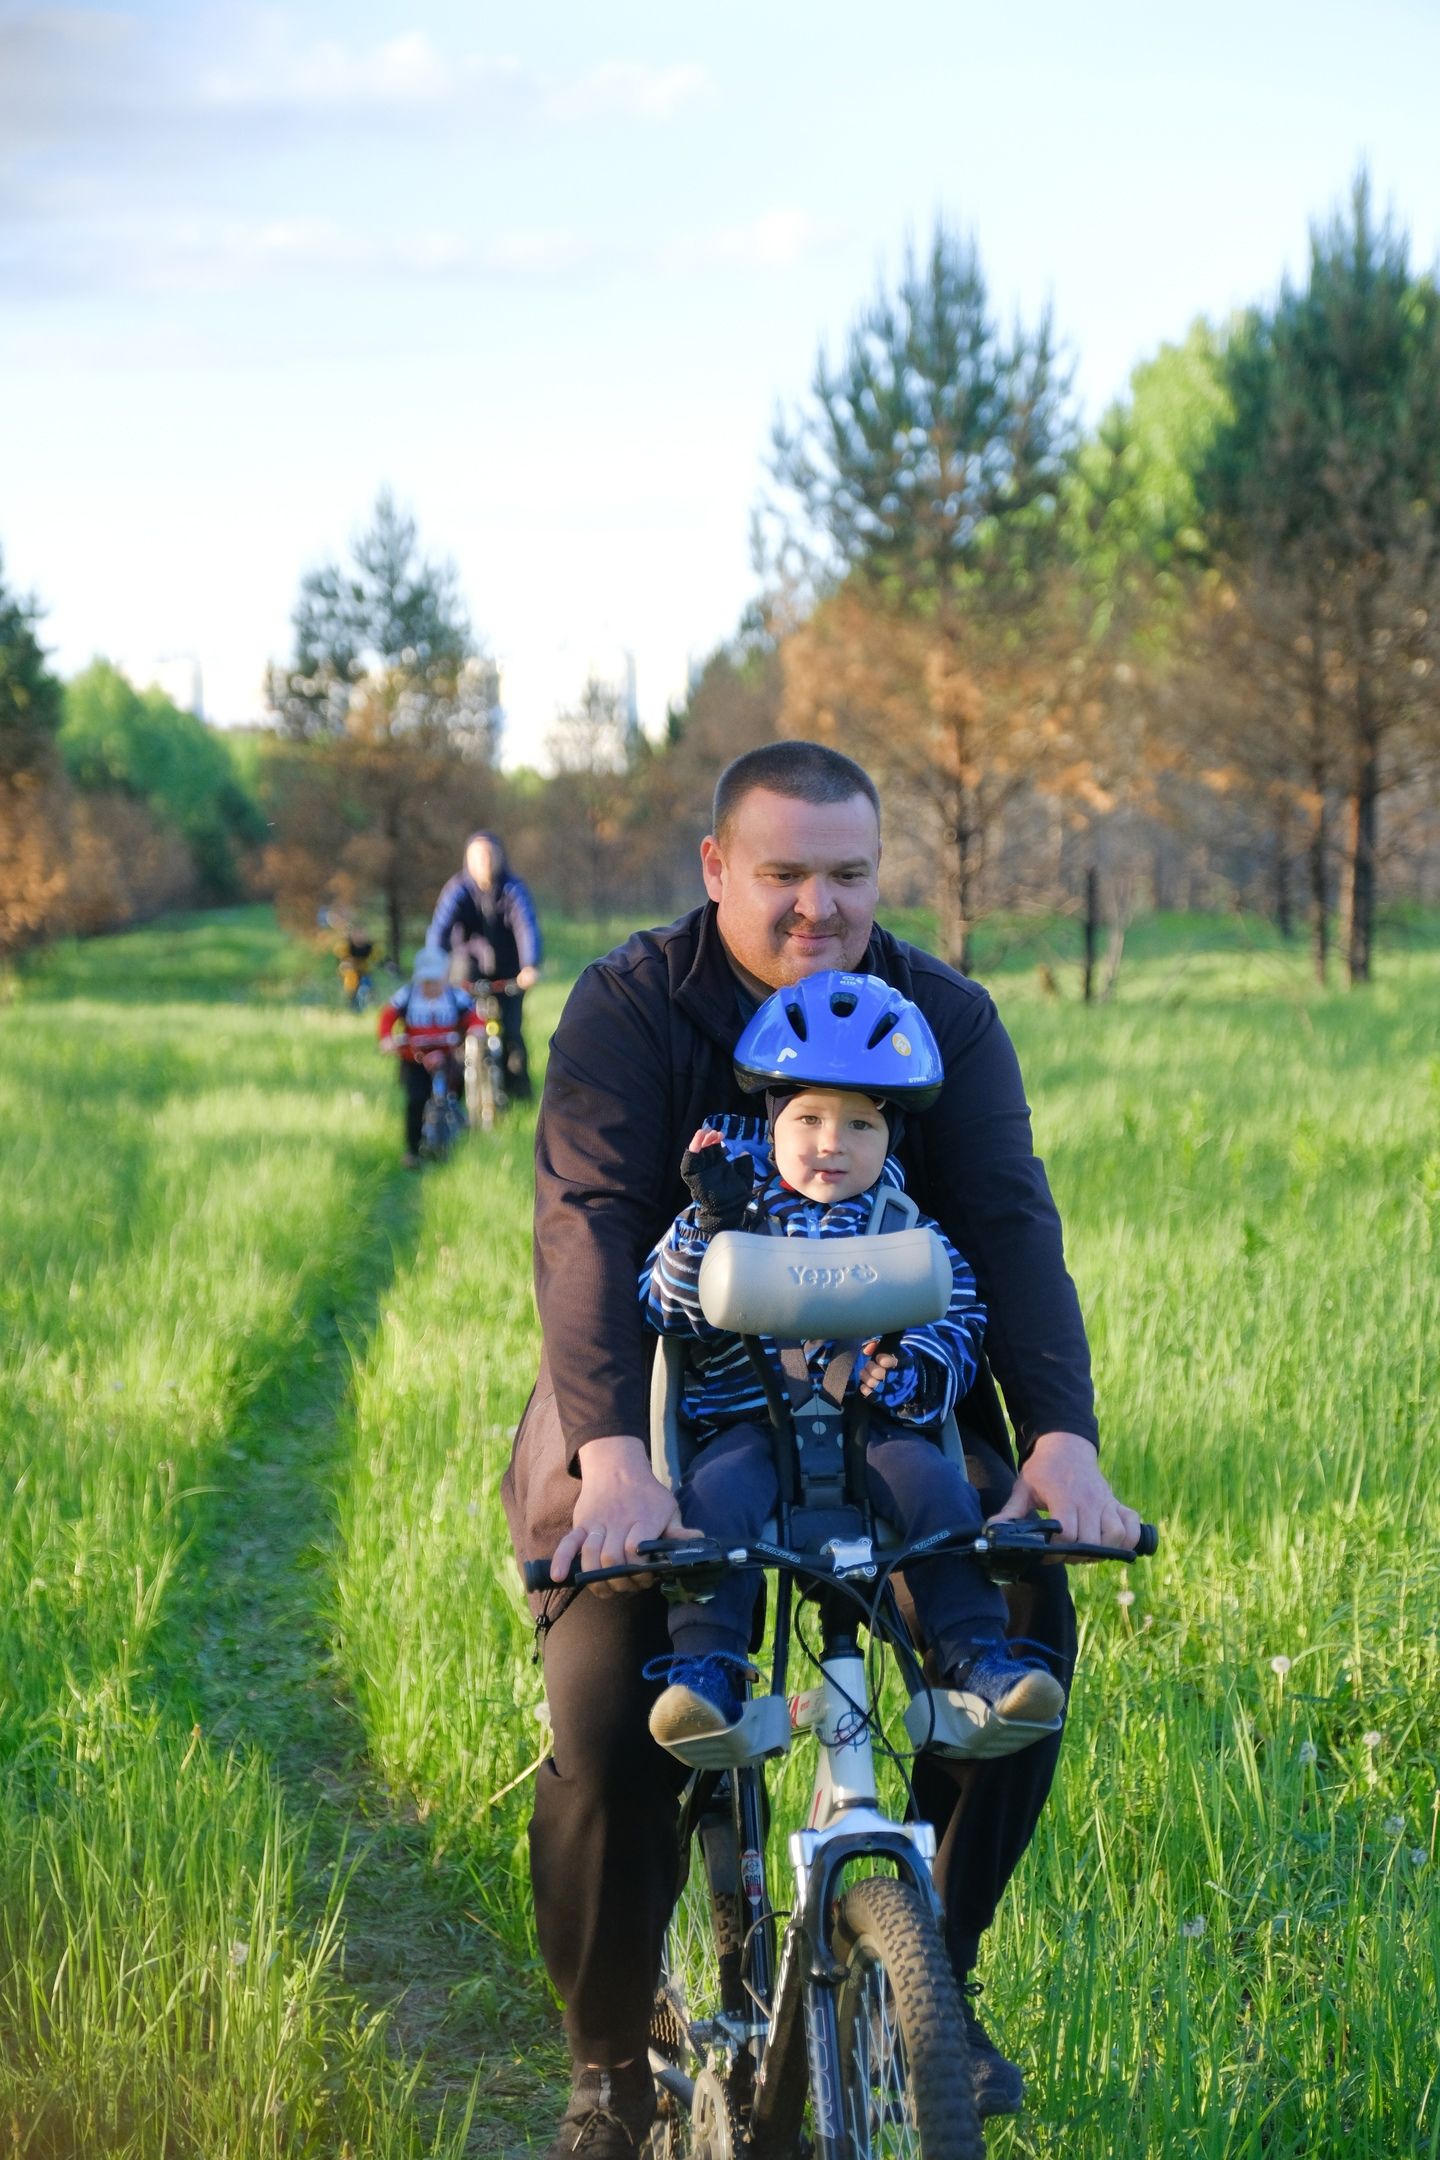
[842, 1031]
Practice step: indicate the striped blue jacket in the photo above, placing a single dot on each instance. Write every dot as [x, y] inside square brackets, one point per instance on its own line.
[937, 1364]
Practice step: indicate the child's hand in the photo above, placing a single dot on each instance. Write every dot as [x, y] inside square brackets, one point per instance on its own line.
[706, 1137]
[719, 1187]
[876, 1370]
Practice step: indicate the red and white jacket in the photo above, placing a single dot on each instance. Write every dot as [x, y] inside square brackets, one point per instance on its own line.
[427, 1024]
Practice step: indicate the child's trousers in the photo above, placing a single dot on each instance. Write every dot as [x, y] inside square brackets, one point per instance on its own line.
[730, 1491]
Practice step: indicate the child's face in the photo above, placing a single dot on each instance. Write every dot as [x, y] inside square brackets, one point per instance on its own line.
[431, 986]
[830, 1143]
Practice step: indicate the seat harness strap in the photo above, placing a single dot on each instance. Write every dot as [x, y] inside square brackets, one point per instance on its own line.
[818, 1404]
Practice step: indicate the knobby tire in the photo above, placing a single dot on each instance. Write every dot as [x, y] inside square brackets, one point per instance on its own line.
[905, 2060]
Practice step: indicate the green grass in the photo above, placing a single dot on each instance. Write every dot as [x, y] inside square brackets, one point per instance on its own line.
[266, 1677]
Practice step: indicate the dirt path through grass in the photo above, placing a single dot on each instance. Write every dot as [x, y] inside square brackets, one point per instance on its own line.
[247, 1645]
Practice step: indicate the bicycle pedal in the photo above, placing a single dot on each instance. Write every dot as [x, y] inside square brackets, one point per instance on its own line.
[953, 1722]
[763, 1731]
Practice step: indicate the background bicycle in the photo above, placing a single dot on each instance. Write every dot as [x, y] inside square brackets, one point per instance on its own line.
[444, 1120]
[487, 1089]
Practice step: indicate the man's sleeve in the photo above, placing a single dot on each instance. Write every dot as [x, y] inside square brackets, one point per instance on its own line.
[524, 922]
[446, 909]
[988, 1188]
[603, 1187]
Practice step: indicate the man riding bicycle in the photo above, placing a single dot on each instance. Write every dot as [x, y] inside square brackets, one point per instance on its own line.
[642, 1056]
[485, 919]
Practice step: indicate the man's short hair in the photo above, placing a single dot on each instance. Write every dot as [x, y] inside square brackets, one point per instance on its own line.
[808, 772]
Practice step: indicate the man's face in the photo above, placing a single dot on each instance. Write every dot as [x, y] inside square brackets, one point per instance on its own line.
[830, 1143]
[480, 862]
[794, 884]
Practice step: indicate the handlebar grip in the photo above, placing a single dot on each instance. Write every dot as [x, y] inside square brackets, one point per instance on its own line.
[1148, 1541]
[535, 1574]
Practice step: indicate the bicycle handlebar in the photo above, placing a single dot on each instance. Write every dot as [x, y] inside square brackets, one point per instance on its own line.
[676, 1557]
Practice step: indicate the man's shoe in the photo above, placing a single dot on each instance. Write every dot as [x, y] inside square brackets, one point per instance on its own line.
[705, 1696]
[1018, 1690]
[998, 2083]
[610, 2116]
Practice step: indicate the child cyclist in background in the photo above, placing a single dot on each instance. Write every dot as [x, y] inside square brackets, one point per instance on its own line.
[432, 1018]
[841, 1059]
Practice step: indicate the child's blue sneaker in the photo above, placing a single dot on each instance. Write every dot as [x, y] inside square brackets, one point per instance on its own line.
[705, 1695]
[1021, 1691]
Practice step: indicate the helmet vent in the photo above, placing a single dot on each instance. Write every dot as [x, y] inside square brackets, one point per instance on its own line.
[882, 1028]
[795, 1014]
[843, 1003]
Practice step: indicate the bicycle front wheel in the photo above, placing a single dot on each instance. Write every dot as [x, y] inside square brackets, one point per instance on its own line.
[904, 2057]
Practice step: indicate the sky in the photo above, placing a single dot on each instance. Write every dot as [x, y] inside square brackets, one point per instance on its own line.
[549, 273]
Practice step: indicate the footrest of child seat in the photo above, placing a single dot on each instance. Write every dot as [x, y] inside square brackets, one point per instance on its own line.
[951, 1721]
[763, 1730]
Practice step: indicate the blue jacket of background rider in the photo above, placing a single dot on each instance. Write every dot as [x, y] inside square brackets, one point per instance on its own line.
[497, 923]
[937, 1363]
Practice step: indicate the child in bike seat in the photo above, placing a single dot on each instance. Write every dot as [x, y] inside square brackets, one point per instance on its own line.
[431, 1016]
[841, 1060]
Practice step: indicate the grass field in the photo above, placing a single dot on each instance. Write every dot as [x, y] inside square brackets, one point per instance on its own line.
[267, 1690]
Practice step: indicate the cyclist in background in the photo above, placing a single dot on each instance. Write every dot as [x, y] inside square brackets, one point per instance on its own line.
[485, 920]
[431, 1014]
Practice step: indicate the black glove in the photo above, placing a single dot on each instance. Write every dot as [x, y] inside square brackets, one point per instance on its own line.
[720, 1186]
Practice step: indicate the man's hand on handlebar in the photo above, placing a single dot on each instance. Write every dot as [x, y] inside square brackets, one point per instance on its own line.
[527, 978]
[1062, 1474]
[621, 1504]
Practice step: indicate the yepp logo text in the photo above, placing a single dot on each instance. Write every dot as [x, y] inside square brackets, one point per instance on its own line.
[830, 1278]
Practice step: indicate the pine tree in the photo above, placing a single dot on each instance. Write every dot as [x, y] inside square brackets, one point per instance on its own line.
[920, 492]
[30, 699]
[397, 714]
[1328, 478]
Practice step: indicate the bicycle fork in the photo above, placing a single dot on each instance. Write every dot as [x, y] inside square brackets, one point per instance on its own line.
[845, 1825]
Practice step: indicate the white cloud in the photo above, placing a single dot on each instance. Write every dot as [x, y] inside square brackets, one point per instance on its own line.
[625, 89]
[771, 241]
[185, 256]
[412, 73]
[400, 72]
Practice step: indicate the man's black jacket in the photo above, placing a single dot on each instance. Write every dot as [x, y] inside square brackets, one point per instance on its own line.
[641, 1056]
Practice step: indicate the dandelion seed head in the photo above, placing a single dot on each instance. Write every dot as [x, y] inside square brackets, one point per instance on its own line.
[239, 1951]
[1418, 1856]
[1394, 1825]
[1371, 1740]
[1280, 1665]
[1309, 1753]
[1125, 1598]
[1194, 1928]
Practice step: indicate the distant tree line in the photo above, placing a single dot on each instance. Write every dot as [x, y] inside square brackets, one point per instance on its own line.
[114, 803]
[1187, 658]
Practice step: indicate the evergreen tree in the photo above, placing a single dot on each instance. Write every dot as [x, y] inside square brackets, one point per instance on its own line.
[936, 446]
[1327, 478]
[395, 715]
[29, 693]
[391, 620]
[924, 480]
